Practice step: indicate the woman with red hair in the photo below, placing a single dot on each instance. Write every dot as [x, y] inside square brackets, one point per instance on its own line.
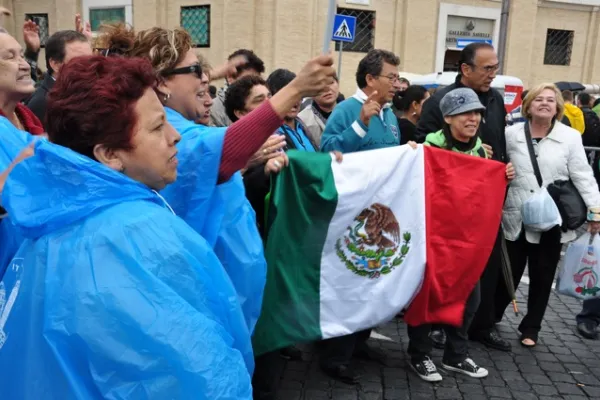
[112, 295]
[211, 158]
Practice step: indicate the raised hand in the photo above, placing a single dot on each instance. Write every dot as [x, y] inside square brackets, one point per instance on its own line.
[369, 109]
[229, 68]
[315, 76]
[85, 29]
[31, 36]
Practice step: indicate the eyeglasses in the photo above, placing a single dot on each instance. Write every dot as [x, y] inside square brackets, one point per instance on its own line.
[391, 77]
[192, 69]
[489, 69]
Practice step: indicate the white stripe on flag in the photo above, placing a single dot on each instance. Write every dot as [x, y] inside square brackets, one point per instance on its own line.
[351, 302]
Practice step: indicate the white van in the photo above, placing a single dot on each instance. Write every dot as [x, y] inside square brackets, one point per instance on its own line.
[510, 86]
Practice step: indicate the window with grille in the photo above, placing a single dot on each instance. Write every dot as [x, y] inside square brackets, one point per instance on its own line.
[99, 16]
[559, 44]
[365, 31]
[41, 20]
[196, 20]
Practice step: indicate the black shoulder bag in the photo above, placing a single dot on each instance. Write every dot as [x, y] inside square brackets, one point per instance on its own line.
[571, 206]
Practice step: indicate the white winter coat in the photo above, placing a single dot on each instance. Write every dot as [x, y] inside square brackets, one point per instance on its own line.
[560, 157]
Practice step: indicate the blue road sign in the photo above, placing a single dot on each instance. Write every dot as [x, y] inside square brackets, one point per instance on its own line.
[344, 28]
[462, 43]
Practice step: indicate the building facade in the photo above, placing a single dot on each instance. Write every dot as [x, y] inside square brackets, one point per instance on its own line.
[548, 40]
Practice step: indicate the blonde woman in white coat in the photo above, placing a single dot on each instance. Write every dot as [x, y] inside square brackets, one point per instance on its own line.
[560, 156]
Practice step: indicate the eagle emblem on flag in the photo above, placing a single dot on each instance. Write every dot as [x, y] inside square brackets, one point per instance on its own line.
[372, 245]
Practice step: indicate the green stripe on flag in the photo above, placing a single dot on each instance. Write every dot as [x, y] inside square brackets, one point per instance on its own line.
[304, 199]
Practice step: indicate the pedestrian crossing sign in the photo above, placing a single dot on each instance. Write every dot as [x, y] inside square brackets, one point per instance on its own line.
[344, 28]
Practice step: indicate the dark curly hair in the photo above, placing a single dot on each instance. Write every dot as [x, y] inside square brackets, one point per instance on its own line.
[279, 79]
[237, 94]
[372, 64]
[253, 62]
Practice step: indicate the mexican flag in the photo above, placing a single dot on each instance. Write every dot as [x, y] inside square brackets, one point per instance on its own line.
[351, 244]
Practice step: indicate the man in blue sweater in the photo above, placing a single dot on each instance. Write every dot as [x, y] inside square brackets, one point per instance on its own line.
[365, 121]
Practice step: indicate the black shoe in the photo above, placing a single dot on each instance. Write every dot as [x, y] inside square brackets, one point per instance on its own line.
[342, 373]
[492, 340]
[366, 352]
[291, 353]
[426, 370]
[588, 330]
[438, 338]
[467, 367]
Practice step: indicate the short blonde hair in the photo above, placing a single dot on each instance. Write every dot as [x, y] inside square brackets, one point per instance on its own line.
[535, 92]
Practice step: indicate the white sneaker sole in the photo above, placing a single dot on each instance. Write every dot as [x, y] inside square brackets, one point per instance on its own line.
[431, 378]
[482, 373]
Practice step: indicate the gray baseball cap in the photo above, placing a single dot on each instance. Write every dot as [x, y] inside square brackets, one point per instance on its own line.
[459, 101]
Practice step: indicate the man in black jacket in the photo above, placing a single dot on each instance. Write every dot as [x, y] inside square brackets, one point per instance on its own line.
[61, 47]
[478, 67]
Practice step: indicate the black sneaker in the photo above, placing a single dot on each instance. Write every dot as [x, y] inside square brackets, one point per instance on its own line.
[291, 353]
[426, 370]
[438, 338]
[342, 373]
[492, 340]
[588, 330]
[467, 367]
[365, 352]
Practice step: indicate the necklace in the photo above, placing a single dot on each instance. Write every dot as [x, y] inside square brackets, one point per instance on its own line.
[18, 123]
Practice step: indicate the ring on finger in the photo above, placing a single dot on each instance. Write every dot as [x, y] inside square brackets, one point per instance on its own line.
[276, 164]
[264, 151]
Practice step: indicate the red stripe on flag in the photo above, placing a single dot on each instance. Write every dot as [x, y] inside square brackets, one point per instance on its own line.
[464, 196]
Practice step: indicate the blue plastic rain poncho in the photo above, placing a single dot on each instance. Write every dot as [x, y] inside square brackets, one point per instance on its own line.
[12, 142]
[230, 226]
[111, 295]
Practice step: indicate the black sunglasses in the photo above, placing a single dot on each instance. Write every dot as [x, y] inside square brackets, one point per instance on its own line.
[192, 69]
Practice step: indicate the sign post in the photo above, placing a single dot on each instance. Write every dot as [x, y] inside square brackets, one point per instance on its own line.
[344, 30]
[329, 26]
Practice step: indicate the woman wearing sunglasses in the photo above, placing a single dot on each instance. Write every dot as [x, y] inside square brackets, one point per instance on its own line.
[209, 193]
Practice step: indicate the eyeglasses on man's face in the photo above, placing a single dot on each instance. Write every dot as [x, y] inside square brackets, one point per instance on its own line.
[391, 77]
[488, 69]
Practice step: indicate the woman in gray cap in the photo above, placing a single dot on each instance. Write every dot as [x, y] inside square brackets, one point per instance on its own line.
[462, 113]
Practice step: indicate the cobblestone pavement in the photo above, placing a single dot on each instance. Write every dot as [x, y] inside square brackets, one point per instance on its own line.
[562, 366]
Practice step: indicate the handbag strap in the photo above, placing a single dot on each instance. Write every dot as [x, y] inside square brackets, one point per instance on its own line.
[534, 163]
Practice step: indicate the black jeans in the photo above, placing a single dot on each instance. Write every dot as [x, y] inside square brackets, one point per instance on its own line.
[266, 376]
[490, 281]
[457, 343]
[338, 351]
[590, 312]
[542, 260]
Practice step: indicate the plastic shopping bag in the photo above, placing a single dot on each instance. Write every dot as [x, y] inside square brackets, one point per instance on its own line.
[579, 275]
[540, 213]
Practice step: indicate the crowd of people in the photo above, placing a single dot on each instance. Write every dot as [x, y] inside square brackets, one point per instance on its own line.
[132, 255]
